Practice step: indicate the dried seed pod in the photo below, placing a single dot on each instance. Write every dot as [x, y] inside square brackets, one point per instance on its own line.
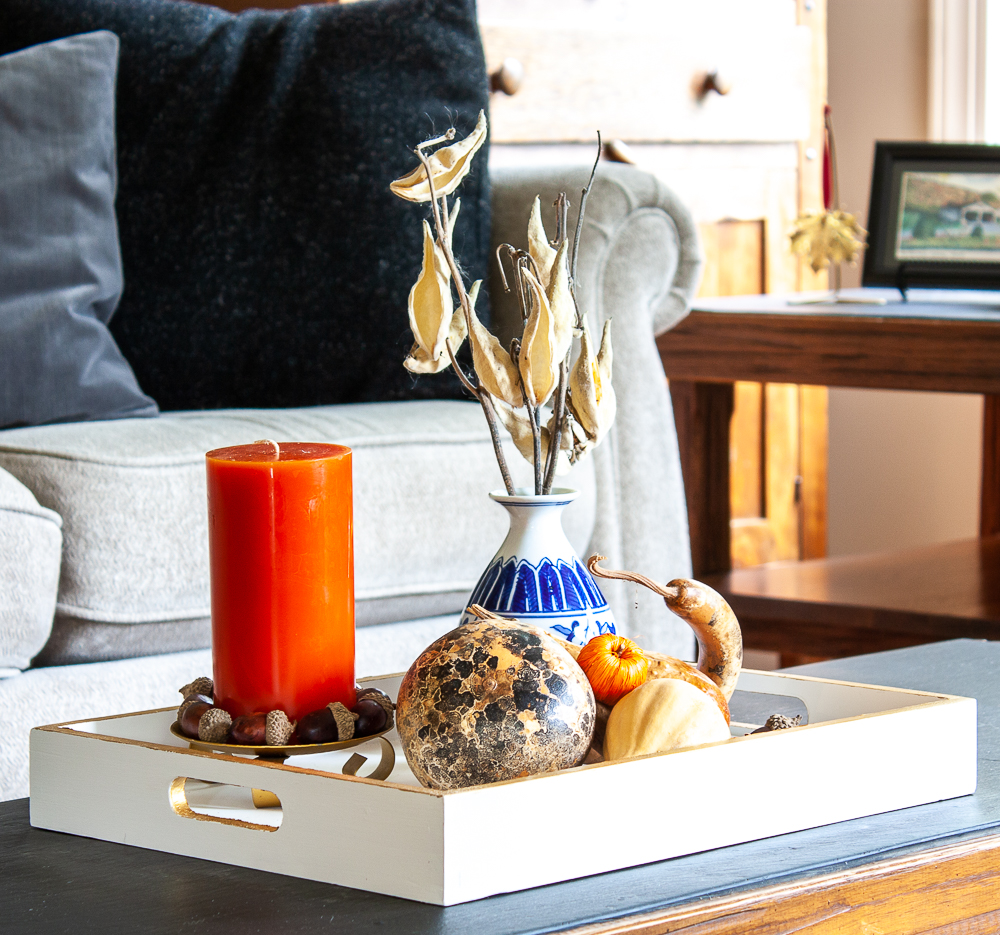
[592, 395]
[345, 720]
[449, 165]
[538, 361]
[496, 371]
[213, 727]
[542, 252]
[277, 729]
[200, 686]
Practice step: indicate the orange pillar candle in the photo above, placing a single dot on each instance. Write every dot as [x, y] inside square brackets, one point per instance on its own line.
[281, 546]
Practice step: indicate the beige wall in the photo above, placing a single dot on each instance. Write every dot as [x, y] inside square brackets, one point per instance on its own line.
[904, 467]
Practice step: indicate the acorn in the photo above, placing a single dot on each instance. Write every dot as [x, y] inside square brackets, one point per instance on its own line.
[189, 716]
[200, 686]
[277, 729]
[317, 726]
[193, 699]
[213, 727]
[372, 717]
[381, 698]
[249, 729]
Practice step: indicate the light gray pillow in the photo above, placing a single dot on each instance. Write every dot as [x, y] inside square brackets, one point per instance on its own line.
[60, 263]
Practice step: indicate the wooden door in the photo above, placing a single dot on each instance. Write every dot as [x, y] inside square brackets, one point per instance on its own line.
[777, 435]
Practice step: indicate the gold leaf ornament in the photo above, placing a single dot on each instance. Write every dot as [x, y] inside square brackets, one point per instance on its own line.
[827, 237]
[592, 397]
[449, 165]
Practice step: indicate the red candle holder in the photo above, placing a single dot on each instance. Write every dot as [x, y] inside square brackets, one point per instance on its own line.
[281, 546]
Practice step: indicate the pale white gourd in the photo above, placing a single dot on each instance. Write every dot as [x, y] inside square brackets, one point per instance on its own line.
[662, 715]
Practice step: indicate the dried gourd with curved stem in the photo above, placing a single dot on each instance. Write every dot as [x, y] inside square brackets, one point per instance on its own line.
[720, 642]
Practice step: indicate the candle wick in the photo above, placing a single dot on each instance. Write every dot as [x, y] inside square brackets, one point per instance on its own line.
[269, 441]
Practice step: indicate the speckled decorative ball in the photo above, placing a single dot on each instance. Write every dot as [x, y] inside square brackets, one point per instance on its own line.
[493, 700]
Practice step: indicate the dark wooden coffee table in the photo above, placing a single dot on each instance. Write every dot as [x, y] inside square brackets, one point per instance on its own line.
[930, 869]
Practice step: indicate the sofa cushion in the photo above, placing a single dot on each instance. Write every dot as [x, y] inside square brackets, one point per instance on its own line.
[132, 497]
[266, 261]
[60, 266]
[30, 544]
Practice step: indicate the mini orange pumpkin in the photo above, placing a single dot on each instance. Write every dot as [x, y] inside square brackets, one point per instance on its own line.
[614, 665]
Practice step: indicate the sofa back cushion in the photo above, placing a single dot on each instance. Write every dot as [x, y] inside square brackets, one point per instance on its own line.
[60, 266]
[266, 262]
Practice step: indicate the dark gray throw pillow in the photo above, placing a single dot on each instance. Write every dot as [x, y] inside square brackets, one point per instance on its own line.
[266, 261]
[60, 264]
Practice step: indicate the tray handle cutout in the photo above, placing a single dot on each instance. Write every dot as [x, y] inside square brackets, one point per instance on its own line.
[210, 801]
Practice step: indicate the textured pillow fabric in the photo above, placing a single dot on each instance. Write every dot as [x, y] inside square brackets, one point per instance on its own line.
[266, 262]
[60, 266]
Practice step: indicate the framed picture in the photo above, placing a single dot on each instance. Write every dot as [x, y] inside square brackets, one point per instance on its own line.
[934, 216]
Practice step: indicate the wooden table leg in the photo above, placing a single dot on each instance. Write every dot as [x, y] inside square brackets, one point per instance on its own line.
[989, 494]
[702, 412]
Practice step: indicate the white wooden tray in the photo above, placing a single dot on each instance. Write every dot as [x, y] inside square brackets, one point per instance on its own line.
[866, 749]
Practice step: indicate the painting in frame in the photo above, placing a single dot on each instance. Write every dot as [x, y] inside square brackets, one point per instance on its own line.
[934, 216]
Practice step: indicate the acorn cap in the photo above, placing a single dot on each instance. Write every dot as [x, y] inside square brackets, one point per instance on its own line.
[214, 725]
[382, 699]
[200, 686]
[345, 720]
[277, 729]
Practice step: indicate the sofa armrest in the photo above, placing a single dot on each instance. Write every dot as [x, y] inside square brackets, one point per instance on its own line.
[30, 556]
[640, 263]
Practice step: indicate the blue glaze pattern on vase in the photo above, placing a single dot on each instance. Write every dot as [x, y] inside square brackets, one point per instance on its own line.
[536, 577]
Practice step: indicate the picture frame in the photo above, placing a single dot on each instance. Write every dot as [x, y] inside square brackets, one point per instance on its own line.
[934, 216]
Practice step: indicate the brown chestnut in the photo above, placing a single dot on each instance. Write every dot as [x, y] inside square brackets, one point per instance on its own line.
[195, 696]
[190, 716]
[317, 727]
[249, 730]
[372, 717]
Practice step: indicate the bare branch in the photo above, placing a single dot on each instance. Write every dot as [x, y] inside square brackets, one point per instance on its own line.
[466, 382]
[486, 401]
[579, 217]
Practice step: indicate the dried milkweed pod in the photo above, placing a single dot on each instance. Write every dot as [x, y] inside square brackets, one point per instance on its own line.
[539, 247]
[449, 165]
[561, 302]
[518, 424]
[495, 369]
[430, 307]
[538, 361]
[430, 303]
[592, 397]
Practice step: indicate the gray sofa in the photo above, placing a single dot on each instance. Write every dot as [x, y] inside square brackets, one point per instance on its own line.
[103, 546]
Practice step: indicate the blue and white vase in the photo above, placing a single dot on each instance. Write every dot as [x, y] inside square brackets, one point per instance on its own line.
[536, 577]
